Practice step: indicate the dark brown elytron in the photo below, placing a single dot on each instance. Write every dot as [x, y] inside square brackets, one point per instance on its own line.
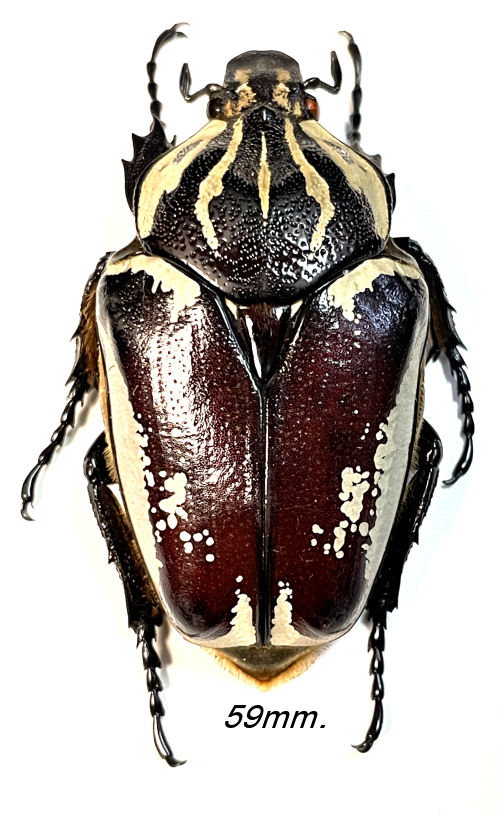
[259, 349]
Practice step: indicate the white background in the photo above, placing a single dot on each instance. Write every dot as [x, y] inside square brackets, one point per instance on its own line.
[75, 725]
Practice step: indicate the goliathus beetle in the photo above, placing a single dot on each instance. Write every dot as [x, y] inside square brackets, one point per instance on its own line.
[259, 350]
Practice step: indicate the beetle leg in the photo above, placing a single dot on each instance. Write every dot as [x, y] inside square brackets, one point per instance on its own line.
[83, 378]
[148, 148]
[143, 607]
[376, 644]
[165, 36]
[353, 123]
[446, 341]
[384, 595]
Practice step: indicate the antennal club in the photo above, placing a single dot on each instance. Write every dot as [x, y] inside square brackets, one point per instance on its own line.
[315, 82]
[185, 86]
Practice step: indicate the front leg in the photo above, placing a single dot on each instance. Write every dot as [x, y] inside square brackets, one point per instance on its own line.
[83, 378]
[446, 341]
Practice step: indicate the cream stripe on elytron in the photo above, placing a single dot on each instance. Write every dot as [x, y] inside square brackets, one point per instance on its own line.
[166, 173]
[129, 443]
[129, 439]
[264, 179]
[212, 186]
[184, 290]
[392, 455]
[360, 174]
[341, 293]
[316, 187]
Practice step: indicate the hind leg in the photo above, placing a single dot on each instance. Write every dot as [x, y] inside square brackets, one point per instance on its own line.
[384, 595]
[143, 606]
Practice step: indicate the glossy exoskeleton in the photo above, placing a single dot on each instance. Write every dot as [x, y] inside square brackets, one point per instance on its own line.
[259, 349]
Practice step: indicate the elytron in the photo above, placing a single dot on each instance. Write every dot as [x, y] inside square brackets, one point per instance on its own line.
[259, 350]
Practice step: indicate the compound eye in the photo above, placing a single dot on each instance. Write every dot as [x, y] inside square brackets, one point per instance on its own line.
[312, 106]
[214, 107]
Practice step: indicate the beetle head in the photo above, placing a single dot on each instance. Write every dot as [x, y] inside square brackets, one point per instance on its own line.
[267, 79]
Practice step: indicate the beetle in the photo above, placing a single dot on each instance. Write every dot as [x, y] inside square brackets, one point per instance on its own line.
[259, 350]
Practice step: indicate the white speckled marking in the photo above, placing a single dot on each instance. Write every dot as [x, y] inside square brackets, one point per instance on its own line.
[242, 629]
[176, 485]
[339, 542]
[354, 486]
[282, 631]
